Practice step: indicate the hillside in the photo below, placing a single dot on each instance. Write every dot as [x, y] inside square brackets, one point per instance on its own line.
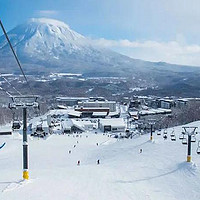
[46, 45]
[159, 172]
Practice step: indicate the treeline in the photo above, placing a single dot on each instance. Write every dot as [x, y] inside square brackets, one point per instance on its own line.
[181, 116]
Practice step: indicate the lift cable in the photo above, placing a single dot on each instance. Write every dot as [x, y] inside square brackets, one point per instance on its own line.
[4, 31]
[6, 92]
[1, 75]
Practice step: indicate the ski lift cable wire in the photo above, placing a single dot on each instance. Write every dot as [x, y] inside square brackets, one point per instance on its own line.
[16, 58]
[1, 75]
[6, 92]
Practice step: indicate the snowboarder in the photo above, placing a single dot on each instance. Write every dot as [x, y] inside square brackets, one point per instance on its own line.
[98, 162]
[79, 162]
[140, 150]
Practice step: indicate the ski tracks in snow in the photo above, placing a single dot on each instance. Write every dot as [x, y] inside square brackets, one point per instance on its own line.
[15, 185]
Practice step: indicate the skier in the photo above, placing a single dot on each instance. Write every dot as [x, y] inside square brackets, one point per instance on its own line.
[165, 137]
[140, 150]
[97, 144]
[74, 146]
[70, 151]
[98, 162]
[77, 142]
[79, 162]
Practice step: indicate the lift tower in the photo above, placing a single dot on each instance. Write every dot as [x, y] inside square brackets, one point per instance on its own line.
[151, 122]
[24, 102]
[190, 130]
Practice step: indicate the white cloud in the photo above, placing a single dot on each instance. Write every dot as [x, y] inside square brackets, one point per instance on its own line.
[46, 13]
[177, 52]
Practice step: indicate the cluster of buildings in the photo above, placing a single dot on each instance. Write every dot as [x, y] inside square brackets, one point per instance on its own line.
[154, 102]
[80, 114]
[94, 107]
[142, 106]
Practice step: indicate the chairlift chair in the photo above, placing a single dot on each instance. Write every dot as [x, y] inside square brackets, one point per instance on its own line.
[158, 132]
[193, 139]
[39, 128]
[198, 147]
[165, 136]
[172, 133]
[181, 136]
[184, 141]
[173, 138]
[16, 125]
[198, 150]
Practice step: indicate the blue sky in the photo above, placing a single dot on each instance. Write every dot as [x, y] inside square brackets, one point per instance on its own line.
[156, 30]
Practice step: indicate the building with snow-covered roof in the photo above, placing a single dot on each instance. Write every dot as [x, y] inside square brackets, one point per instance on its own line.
[72, 126]
[70, 101]
[134, 114]
[99, 104]
[88, 111]
[99, 114]
[112, 125]
[74, 114]
[180, 103]
[167, 103]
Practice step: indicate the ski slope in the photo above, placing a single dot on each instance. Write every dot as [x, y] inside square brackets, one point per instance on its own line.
[158, 173]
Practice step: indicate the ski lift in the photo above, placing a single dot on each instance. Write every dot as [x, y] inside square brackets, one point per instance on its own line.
[193, 139]
[165, 136]
[16, 125]
[198, 147]
[158, 132]
[172, 134]
[184, 141]
[173, 138]
[39, 128]
[181, 136]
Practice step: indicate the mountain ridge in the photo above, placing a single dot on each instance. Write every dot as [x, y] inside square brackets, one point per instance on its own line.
[47, 45]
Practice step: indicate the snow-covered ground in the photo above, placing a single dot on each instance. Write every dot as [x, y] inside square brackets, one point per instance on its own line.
[160, 172]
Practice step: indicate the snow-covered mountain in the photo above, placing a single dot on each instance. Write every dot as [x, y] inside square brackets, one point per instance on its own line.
[47, 45]
[52, 44]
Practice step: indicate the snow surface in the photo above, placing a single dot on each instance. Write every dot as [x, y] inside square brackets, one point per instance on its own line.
[158, 173]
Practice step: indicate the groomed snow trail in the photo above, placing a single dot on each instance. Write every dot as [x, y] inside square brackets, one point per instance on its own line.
[158, 173]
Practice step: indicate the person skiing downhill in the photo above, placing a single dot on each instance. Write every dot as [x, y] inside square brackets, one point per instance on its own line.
[98, 162]
[79, 162]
